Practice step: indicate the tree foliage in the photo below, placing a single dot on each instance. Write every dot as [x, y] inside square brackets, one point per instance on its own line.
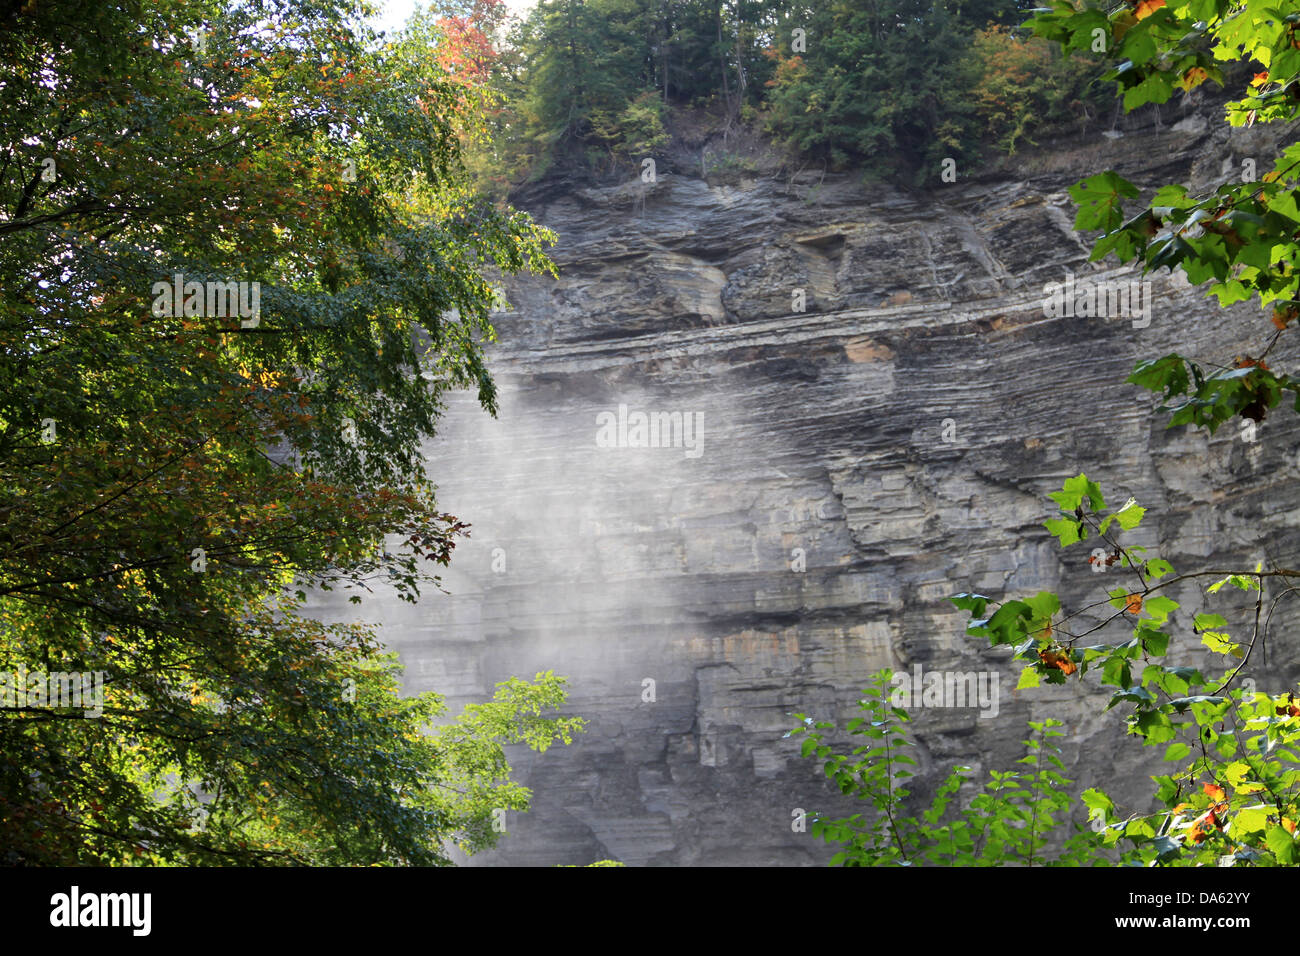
[894, 85]
[1228, 773]
[1019, 85]
[1011, 818]
[174, 479]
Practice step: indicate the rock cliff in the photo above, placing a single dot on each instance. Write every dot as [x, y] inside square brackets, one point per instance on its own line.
[850, 467]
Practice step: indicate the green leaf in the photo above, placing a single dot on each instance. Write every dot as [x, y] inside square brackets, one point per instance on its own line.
[1097, 801]
[1177, 751]
[1099, 200]
[1221, 643]
[1154, 726]
[1066, 530]
[1138, 695]
[1158, 607]
[1130, 516]
[1248, 821]
[1281, 844]
[1157, 568]
[974, 603]
[1074, 490]
[1167, 375]
[1155, 643]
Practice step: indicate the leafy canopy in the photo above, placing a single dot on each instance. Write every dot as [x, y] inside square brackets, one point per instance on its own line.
[174, 480]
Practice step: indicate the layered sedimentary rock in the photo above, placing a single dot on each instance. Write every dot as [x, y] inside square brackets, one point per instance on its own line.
[855, 464]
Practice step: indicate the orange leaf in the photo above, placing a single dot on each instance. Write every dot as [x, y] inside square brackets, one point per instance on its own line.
[1214, 791]
[1060, 661]
[1133, 603]
[1259, 78]
[1148, 7]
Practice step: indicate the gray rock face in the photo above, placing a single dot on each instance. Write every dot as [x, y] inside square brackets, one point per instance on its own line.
[856, 464]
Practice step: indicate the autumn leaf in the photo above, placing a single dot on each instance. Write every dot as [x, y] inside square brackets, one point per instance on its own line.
[1148, 7]
[1259, 78]
[1058, 660]
[1133, 603]
[1214, 791]
[1192, 78]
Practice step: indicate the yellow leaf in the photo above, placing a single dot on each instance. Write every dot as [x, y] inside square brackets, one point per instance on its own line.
[1192, 78]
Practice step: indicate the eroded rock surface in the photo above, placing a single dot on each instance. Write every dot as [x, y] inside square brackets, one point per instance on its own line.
[902, 433]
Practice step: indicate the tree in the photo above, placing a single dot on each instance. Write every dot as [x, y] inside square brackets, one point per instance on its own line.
[880, 81]
[1229, 793]
[239, 267]
[896, 85]
[1018, 86]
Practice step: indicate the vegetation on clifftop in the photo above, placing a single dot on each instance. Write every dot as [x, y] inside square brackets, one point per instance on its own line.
[894, 86]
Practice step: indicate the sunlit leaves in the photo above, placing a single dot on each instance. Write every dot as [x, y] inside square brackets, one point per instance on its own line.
[1231, 747]
[1011, 818]
[185, 432]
